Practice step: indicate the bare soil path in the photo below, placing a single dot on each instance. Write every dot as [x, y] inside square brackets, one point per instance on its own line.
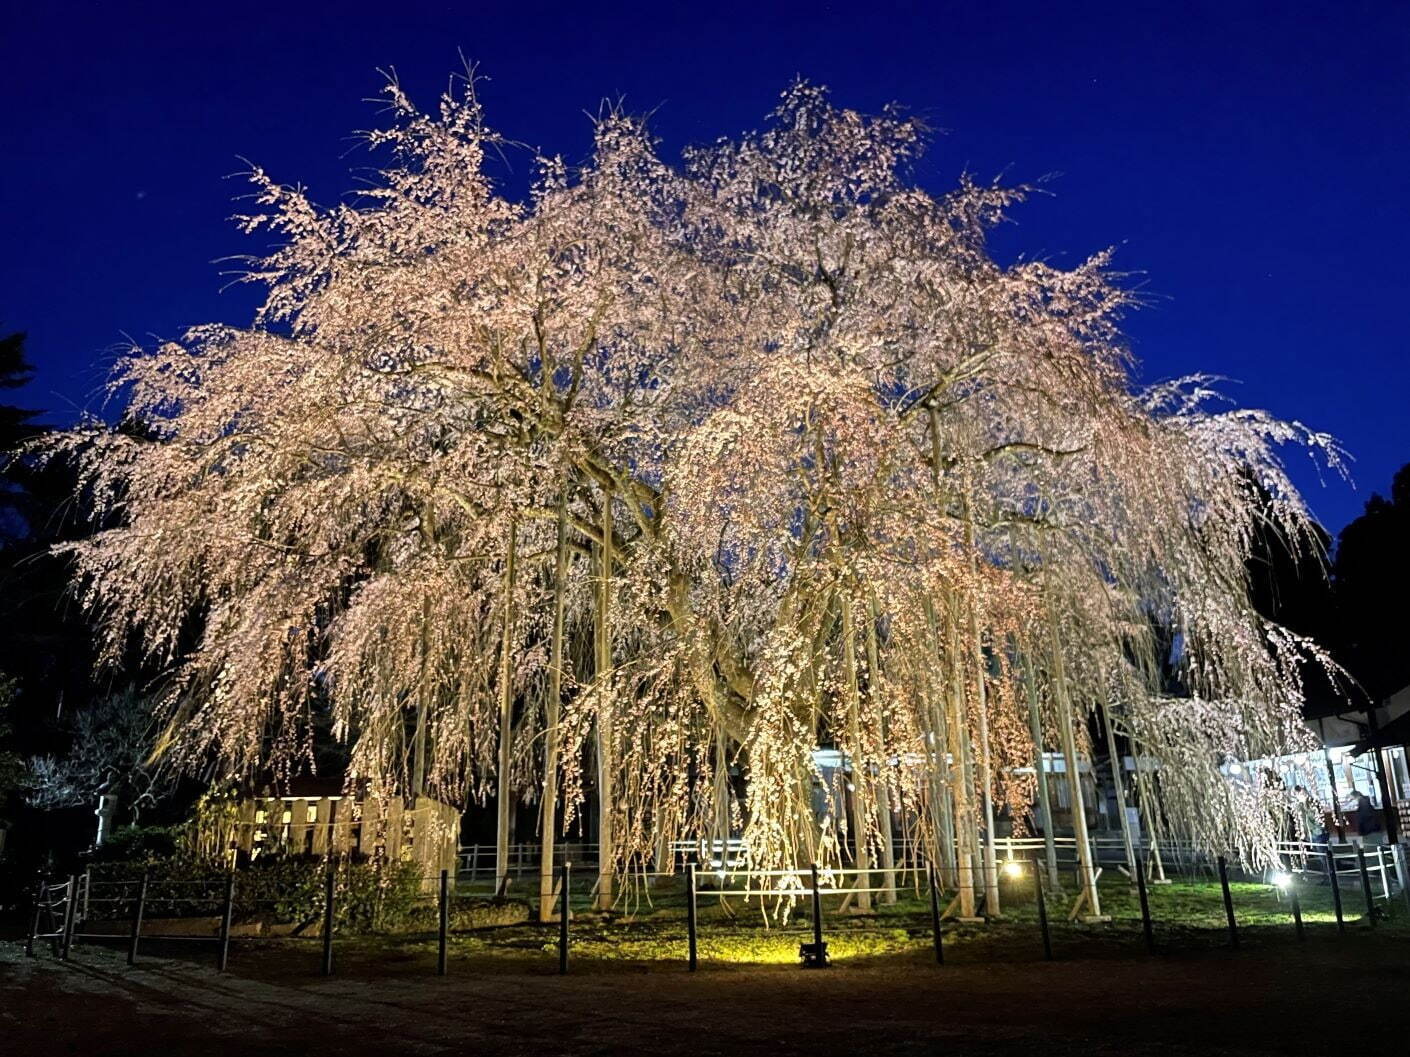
[1276, 1000]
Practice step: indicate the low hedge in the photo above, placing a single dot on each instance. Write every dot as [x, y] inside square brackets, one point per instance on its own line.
[288, 890]
[368, 896]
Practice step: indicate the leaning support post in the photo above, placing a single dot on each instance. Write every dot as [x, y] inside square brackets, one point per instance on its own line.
[328, 923]
[70, 903]
[565, 889]
[1402, 869]
[34, 921]
[690, 918]
[226, 913]
[1366, 887]
[935, 918]
[1042, 913]
[443, 923]
[1086, 861]
[138, 909]
[1335, 882]
[1145, 908]
[1228, 903]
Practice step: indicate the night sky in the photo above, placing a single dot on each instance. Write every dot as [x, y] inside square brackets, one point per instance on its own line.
[1250, 160]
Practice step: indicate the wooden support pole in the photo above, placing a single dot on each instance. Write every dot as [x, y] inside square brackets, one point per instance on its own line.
[70, 908]
[1332, 783]
[138, 909]
[1388, 812]
[39, 893]
[1086, 865]
[1118, 783]
[1228, 903]
[690, 918]
[1040, 765]
[1402, 868]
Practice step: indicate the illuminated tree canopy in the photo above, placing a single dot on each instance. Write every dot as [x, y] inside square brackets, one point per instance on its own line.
[672, 469]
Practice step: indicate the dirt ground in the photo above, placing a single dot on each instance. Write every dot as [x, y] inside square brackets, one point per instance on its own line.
[1279, 1000]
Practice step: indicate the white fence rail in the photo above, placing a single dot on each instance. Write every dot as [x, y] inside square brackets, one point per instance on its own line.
[725, 865]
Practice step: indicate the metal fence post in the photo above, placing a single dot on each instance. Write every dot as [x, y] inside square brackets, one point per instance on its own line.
[1042, 913]
[225, 915]
[1228, 903]
[70, 899]
[565, 887]
[1366, 887]
[690, 918]
[815, 954]
[443, 923]
[328, 922]
[137, 912]
[1145, 907]
[935, 918]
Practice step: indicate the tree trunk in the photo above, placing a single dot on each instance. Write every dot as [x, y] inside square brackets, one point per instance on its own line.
[418, 749]
[548, 813]
[991, 860]
[606, 761]
[860, 779]
[941, 773]
[883, 793]
[966, 824]
[1069, 753]
[986, 783]
[506, 717]
[1045, 807]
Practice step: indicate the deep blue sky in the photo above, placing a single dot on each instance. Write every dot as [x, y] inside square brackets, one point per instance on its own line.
[1249, 159]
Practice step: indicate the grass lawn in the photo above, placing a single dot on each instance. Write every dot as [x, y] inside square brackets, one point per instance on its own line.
[1188, 916]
